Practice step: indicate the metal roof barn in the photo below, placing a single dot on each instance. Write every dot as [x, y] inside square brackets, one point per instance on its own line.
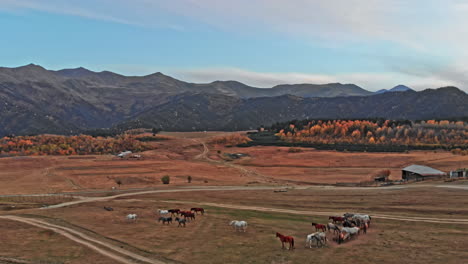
[419, 172]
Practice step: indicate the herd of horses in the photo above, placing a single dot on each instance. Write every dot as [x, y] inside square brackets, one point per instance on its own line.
[166, 216]
[344, 228]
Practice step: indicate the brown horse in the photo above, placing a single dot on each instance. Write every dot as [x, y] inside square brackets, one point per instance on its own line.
[286, 239]
[319, 227]
[188, 215]
[336, 219]
[196, 210]
[174, 211]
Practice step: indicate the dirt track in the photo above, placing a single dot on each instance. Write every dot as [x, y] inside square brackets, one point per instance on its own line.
[78, 237]
[323, 213]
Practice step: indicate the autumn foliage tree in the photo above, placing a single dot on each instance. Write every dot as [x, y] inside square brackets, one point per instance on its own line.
[383, 132]
[69, 145]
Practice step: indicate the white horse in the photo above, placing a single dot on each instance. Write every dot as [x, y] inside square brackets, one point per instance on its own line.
[163, 212]
[132, 217]
[239, 225]
[362, 217]
[319, 237]
[350, 230]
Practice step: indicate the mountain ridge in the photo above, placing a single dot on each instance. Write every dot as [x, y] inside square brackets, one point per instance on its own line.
[37, 100]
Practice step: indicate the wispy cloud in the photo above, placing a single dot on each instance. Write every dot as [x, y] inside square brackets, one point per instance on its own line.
[428, 28]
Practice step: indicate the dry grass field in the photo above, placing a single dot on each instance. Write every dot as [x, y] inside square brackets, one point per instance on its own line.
[424, 222]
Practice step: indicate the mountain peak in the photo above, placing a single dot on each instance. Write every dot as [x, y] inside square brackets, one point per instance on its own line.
[400, 88]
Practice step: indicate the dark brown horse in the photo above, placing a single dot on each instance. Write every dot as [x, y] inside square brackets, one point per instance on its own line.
[336, 219]
[174, 211]
[188, 215]
[286, 239]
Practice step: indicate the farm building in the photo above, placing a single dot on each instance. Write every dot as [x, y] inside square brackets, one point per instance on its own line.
[460, 173]
[420, 173]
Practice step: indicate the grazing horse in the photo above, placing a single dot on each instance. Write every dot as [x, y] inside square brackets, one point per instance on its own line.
[132, 217]
[188, 215]
[347, 233]
[174, 211]
[164, 220]
[196, 210]
[319, 227]
[163, 212]
[336, 219]
[348, 215]
[181, 221]
[349, 223]
[319, 237]
[286, 239]
[333, 227]
[239, 225]
[363, 218]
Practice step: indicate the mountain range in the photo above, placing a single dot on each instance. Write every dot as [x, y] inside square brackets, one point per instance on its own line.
[36, 100]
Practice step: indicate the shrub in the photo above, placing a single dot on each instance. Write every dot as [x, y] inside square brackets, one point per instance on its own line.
[189, 179]
[230, 140]
[166, 179]
[294, 150]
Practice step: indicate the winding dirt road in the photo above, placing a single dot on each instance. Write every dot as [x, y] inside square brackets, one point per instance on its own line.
[116, 253]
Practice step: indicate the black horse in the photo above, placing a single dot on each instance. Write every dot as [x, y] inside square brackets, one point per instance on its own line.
[349, 223]
[167, 220]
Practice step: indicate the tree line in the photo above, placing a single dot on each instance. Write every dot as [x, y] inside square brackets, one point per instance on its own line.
[70, 145]
[375, 132]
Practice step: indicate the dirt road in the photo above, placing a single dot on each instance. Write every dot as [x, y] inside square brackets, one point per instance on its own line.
[116, 253]
[324, 213]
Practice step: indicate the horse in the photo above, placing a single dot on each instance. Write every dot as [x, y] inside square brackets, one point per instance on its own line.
[362, 217]
[188, 215]
[239, 225]
[174, 211]
[164, 220]
[196, 210]
[349, 223]
[132, 217]
[348, 215]
[286, 239]
[336, 219]
[364, 227]
[347, 233]
[333, 227]
[319, 237]
[319, 227]
[181, 221]
[163, 212]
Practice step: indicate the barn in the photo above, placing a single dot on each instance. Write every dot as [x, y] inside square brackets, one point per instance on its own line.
[420, 173]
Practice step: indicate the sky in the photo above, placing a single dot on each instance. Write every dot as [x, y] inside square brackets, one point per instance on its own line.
[376, 44]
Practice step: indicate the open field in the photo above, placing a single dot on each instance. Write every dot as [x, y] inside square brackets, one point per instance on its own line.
[209, 239]
[424, 222]
[25, 242]
[187, 154]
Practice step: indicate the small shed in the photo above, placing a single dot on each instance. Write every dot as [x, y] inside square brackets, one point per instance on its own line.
[460, 173]
[420, 173]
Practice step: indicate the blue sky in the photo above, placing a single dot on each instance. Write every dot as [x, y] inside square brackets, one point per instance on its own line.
[373, 43]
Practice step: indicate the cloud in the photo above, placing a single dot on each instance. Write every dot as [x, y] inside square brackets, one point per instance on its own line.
[425, 29]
